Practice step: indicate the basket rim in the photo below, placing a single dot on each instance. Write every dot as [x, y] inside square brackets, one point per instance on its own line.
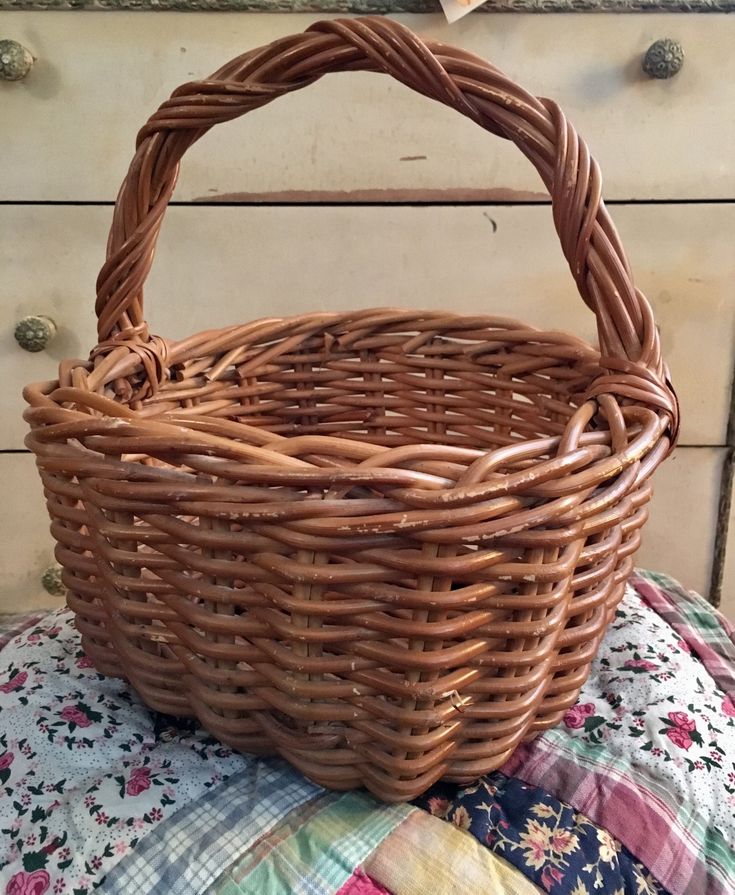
[336, 325]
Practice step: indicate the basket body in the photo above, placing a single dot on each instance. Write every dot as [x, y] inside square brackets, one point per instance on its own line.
[388, 590]
[383, 544]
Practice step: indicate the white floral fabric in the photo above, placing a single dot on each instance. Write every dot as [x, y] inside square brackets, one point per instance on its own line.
[652, 703]
[85, 769]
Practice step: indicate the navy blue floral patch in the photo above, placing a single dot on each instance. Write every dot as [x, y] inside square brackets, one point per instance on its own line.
[553, 845]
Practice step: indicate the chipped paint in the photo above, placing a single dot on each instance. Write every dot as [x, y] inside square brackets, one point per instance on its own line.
[387, 196]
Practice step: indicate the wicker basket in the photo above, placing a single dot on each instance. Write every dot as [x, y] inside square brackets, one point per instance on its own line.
[383, 544]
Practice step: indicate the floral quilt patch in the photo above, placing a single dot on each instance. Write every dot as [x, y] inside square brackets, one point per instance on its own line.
[85, 769]
[651, 699]
[556, 847]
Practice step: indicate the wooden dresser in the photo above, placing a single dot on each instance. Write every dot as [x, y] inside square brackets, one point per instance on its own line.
[357, 193]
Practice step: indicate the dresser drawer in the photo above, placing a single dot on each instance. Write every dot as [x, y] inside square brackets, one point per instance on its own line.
[217, 266]
[72, 121]
[26, 547]
[682, 550]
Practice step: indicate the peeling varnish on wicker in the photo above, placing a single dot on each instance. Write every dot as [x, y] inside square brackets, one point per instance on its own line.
[387, 196]
[458, 702]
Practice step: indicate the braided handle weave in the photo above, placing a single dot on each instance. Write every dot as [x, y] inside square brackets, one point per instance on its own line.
[629, 342]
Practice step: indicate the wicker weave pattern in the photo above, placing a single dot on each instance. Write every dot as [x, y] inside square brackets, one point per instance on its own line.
[384, 544]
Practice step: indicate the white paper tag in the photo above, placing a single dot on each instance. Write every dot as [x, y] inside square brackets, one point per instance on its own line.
[455, 9]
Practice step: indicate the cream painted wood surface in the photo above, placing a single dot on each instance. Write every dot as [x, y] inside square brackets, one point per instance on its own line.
[682, 550]
[69, 128]
[217, 266]
[26, 547]
[679, 537]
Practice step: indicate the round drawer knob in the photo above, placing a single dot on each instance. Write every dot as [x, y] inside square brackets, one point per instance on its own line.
[663, 59]
[34, 333]
[52, 583]
[15, 61]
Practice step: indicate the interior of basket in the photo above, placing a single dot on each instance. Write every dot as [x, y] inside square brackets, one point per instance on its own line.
[480, 389]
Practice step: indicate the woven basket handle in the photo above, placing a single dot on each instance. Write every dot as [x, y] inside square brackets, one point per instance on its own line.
[628, 337]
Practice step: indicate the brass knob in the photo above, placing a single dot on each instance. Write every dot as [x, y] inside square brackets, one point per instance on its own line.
[663, 59]
[15, 61]
[34, 333]
[52, 583]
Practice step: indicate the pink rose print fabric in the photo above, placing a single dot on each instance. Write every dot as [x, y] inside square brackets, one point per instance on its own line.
[23, 883]
[83, 773]
[76, 716]
[14, 682]
[681, 730]
[640, 665]
[651, 701]
[140, 781]
[578, 714]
